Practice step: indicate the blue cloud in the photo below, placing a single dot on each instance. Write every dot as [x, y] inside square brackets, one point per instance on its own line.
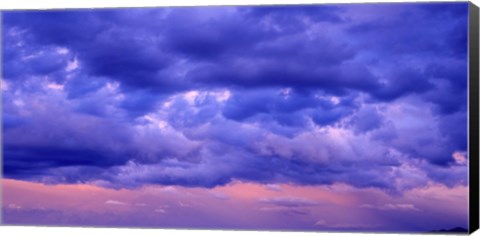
[289, 75]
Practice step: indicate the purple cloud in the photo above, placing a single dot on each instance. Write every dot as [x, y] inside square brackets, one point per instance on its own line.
[201, 97]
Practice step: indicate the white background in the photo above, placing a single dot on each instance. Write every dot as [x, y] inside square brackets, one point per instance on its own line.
[67, 231]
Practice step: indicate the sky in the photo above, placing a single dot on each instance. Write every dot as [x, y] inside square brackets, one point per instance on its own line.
[334, 117]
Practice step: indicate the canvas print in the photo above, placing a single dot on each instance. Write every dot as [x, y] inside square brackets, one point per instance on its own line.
[327, 117]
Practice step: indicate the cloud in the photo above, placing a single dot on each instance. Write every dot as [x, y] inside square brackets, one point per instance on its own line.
[286, 107]
[392, 207]
[367, 119]
[14, 206]
[321, 223]
[460, 157]
[159, 210]
[288, 202]
[288, 205]
[273, 187]
[440, 206]
[115, 202]
[202, 97]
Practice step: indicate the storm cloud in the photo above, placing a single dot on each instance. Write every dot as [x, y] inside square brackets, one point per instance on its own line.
[203, 96]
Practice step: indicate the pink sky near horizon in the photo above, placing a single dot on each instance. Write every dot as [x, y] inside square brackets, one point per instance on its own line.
[238, 205]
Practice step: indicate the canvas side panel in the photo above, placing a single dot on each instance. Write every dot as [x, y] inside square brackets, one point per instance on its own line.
[473, 118]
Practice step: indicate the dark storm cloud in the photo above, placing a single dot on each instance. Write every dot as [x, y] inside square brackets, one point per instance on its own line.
[19, 63]
[271, 72]
[23, 159]
[139, 102]
[317, 13]
[216, 169]
[248, 103]
[105, 48]
[81, 86]
[367, 119]
[137, 57]
[203, 96]
[409, 32]
[402, 82]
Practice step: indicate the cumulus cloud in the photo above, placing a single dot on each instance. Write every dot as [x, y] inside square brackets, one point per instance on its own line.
[201, 97]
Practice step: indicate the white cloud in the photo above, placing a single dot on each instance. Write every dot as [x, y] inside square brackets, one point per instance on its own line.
[4, 85]
[72, 65]
[55, 86]
[390, 206]
[321, 223]
[62, 50]
[115, 202]
[159, 210]
[14, 206]
[460, 157]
